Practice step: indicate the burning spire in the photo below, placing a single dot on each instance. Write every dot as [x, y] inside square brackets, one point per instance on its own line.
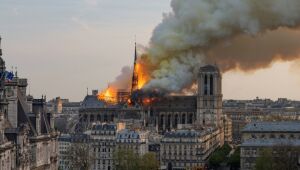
[135, 77]
[0, 47]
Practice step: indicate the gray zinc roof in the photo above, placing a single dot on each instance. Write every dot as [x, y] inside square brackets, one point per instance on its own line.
[182, 134]
[91, 101]
[270, 142]
[128, 134]
[288, 126]
[104, 127]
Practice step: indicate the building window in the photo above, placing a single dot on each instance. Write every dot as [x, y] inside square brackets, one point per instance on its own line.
[211, 85]
[282, 136]
[205, 85]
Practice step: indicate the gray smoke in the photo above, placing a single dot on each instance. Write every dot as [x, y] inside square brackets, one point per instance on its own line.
[243, 34]
[123, 80]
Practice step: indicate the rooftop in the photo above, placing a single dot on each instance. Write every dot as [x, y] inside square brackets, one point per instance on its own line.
[209, 68]
[104, 127]
[128, 134]
[182, 134]
[287, 126]
[91, 101]
[271, 142]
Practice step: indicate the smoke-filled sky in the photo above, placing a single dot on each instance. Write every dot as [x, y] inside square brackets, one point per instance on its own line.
[65, 46]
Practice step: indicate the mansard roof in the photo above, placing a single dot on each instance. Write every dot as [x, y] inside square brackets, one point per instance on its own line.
[128, 134]
[104, 127]
[182, 134]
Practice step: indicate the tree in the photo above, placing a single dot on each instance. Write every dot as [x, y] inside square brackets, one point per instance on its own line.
[219, 156]
[149, 162]
[286, 157]
[129, 160]
[278, 157]
[79, 156]
[126, 160]
[265, 161]
[234, 159]
[216, 159]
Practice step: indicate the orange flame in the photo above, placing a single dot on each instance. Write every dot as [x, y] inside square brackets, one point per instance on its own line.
[109, 95]
[143, 76]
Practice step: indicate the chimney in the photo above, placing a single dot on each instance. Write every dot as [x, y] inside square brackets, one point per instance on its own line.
[95, 92]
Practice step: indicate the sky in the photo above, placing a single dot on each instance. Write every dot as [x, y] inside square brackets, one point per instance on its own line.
[66, 46]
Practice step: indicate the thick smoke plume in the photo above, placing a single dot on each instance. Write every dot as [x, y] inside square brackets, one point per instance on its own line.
[235, 34]
[122, 81]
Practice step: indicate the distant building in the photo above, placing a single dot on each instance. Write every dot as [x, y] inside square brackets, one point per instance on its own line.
[63, 106]
[241, 117]
[259, 135]
[135, 140]
[103, 142]
[64, 143]
[188, 149]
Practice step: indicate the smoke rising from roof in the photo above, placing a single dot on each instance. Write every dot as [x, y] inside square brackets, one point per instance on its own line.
[123, 80]
[235, 34]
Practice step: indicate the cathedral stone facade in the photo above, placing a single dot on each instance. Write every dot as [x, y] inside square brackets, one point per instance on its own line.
[166, 113]
[209, 98]
[27, 137]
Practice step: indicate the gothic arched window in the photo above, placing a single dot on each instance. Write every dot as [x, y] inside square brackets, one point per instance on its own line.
[211, 85]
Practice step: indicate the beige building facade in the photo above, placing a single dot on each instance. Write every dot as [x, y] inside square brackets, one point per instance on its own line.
[188, 149]
[260, 135]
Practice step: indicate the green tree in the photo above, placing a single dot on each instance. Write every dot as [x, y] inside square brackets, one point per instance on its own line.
[226, 148]
[149, 162]
[219, 156]
[126, 160]
[79, 156]
[286, 157]
[129, 160]
[278, 157]
[234, 159]
[265, 160]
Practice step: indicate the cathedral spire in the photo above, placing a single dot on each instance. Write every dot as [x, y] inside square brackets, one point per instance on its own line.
[134, 84]
[0, 47]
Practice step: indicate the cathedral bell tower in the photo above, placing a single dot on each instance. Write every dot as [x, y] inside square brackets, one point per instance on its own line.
[209, 98]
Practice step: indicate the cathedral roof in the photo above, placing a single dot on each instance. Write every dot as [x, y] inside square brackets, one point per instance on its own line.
[209, 68]
[91, 101]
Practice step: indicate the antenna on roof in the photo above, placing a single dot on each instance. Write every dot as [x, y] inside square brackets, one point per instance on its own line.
[87, 91]
[16, 74]
[28, 88]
